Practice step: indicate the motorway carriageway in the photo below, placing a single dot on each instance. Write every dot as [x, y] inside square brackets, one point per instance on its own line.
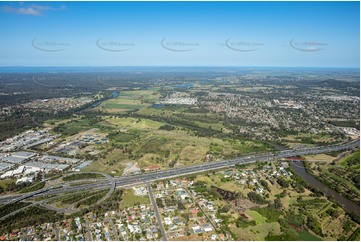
[181, 171]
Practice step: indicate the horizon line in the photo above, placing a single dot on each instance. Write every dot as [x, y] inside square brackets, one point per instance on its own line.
[182, 66]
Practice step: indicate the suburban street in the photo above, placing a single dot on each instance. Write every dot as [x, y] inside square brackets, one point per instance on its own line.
[156, 212]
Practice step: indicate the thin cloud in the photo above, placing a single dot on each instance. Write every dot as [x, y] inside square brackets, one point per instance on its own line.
[33, 9]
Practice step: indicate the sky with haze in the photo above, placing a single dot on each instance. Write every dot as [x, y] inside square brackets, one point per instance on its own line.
[295, 34]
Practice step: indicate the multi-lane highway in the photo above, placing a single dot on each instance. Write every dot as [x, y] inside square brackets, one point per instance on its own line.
[181, 171]
[159, 175]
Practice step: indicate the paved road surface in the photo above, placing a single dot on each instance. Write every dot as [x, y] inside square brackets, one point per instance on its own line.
[90, 236]
[57, 238]
[156, 212]
[111, 189]
[200, 207]
[115, 231]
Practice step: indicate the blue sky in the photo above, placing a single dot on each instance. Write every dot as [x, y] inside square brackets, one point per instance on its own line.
[299, 34]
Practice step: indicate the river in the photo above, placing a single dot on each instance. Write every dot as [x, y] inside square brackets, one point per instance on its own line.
[115, 94]
[300, 169]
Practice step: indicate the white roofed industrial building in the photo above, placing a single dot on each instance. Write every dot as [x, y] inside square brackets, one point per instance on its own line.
[14, 159]
[25, 179]
[82, 165]
[19, 157]
[24, 154]
[5, 166]
[51, 158]
[17, 172]
[47, 167]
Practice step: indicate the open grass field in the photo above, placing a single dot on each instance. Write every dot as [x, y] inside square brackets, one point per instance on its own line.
[258, 232]
[215, 180]
[165, 112]
[204, 178]
[307, 138]
[306, 236]
[4, 183]
[129, 199]
[256, 216]
[158, 147]
[230, 186]
[291, 197]
[351, 161]
[319, 157]
[292, 145]
[113, 161]
[170, 136]
[149, 145]
[128, 100]
[75, 126]
[293, 141]
[204, 120]
[180, 145]
[183, 117]
[129, 123]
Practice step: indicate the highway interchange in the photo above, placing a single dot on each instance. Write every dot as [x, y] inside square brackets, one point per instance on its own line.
[131, 180]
